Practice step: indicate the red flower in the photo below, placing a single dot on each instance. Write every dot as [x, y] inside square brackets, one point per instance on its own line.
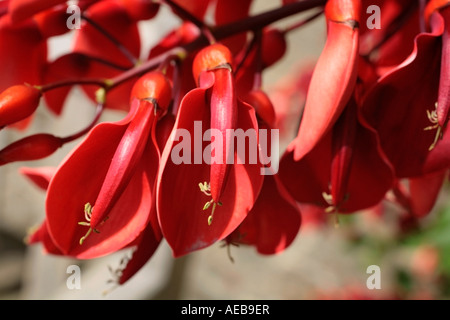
[119, 161]
[346, 171]
[227, 191]
[403, 110]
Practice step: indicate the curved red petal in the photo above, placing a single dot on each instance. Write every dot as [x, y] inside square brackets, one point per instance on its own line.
[39, 176]
[26, 54]
[227, 11]
[274, 221]
[23, 9]
[397, 109]
[146, 245]
[424, 192]
[78, 181]
[331, 85]
[41, 235]
[196, 7]
[90, 41]
[369, 178]
[66, 67]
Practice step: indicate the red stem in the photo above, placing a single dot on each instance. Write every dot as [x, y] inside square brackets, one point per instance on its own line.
[264, 19]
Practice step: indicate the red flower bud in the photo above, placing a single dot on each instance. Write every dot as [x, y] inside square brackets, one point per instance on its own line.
[153, 86]
[34, 147]
[211, 57]
[17, 103]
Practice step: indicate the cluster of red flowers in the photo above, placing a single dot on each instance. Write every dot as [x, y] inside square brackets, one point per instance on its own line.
[374, 121]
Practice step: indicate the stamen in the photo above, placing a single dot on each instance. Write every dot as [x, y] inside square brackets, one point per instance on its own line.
[87, 211]
[87, 215]
[85, 236]
[229, 253]
[205, 188]
[328, 198]
[331, 208]
[336, 220]
[433, 118]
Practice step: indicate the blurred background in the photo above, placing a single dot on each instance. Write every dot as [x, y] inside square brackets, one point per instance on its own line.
[324, 262]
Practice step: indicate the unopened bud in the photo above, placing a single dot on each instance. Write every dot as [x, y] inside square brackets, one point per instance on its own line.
[211, 57]
[153, 86]
[34, 147]
[17, 103]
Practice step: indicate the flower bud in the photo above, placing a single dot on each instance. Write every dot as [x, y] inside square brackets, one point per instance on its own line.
[34, 147]
[211, 57]
[17, 103]
[153, 85]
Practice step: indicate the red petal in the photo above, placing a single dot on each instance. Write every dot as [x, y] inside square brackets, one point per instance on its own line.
[397, 109]
[331, 85]
[25, 57]
[90, 41]
[147, 243]
[344, 135]
[125, 160]
[78, 181]
[274, 221]
[223, 117]
[52, 22]
[370, 175]
[444, 82]
[39, 176]
[197, 7]
[424, 192]
[41, 235]
[23, 9]
[228, 11]
[69, 66]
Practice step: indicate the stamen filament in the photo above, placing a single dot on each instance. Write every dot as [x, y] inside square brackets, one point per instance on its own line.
[432, 116]
[205, 188]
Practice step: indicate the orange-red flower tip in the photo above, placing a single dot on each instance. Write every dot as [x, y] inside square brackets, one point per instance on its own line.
[434, 5]
[211, 57]
[17, 103]
[346, 11]
[153, 86]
